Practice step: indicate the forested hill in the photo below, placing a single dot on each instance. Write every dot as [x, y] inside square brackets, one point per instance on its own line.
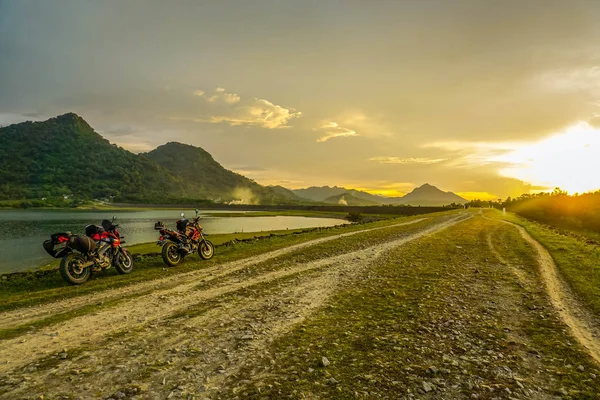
[202, 175]
[63, 156]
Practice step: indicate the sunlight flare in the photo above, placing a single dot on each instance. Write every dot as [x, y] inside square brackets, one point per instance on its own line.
[569, 160]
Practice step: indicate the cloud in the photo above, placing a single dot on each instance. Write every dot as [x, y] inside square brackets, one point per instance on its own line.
[333, 130]
[565, 159]
[473, 154]
[15, 118]
[408, 160]
[261, 113]
[578, 79]
[229, 108]
[221, 95]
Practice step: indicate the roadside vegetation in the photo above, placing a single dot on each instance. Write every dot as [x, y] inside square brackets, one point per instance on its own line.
[578, 213]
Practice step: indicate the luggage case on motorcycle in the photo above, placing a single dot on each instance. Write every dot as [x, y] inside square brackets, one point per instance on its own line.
[83, 244]
[93, 231]
[182, 224]
[57, 245]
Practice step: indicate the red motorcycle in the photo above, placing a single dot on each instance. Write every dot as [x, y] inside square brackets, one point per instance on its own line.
[187, 239]
[98, 250]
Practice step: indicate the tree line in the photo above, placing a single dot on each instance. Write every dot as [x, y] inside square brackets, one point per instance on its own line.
[558, 208]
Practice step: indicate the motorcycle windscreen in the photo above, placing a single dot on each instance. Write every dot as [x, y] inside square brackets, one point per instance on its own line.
[83, 244]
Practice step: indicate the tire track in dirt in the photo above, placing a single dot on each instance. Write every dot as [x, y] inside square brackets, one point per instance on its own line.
[239, 332]
[142, 311]
[583, 326]
[23, 316]
[517, 272]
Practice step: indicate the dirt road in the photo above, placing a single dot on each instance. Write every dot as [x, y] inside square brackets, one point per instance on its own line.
[196, 327]
[582, 324]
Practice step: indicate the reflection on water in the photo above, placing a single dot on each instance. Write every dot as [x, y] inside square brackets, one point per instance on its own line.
[23, 231]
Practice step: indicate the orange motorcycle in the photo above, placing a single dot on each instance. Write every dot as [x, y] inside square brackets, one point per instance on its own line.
[189, 238]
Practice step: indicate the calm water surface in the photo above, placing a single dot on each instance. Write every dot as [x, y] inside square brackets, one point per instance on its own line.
[23, 231]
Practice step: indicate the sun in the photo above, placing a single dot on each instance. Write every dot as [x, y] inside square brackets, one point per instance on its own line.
[569, 160]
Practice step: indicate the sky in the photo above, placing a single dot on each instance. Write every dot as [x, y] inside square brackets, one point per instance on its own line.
[488, 99]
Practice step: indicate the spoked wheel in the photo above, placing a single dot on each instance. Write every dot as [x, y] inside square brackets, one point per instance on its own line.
[206, 250]
[124, 262]
[171, 255]
[72, 269]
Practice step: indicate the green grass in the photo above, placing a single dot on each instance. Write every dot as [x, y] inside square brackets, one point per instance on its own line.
[578, 261]
[439, 302]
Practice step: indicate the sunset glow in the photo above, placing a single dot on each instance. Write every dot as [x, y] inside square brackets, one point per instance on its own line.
[568, 160]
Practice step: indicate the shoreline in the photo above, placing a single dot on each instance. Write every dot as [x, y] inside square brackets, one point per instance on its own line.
[150, 248]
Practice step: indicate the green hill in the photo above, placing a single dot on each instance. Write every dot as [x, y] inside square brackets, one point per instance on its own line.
[203, 177]
[65, 157]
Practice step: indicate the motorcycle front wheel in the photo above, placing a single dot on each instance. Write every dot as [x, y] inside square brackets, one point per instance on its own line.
[124, 262]
[206, 249]
[171, 254]
[72, 269]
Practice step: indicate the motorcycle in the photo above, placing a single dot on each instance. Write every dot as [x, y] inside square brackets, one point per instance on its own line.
[98, 250]
[187, 239]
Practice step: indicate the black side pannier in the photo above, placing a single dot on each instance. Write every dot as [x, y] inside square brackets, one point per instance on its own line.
[83, 244]
[91, 230]
[159, 225]
[182, 224]
[57, 245]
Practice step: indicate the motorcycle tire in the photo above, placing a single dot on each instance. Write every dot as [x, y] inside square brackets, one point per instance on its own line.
[71, 270]
[206, 249]
[171, 254]
[124, 262]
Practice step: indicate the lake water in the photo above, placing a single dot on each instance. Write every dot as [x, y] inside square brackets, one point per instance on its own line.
[23, 231]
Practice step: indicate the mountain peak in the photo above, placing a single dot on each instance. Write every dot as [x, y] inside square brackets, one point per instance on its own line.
[427, 194]
[184, 150]
[69, 117]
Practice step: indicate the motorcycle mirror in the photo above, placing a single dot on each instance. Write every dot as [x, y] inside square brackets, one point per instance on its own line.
[114, 217]
[182, 215]
[197, 211]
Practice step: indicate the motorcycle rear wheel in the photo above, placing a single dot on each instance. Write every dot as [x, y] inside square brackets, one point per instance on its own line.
[206, 249]
[124, 262]
[72, 270]
[171, 254]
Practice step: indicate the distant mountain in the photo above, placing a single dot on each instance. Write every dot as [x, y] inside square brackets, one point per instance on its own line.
[349, 199]
[285, 193]
[315, 193]
[428, 195]
[321, 194]
[64, 157]
[425, 195]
